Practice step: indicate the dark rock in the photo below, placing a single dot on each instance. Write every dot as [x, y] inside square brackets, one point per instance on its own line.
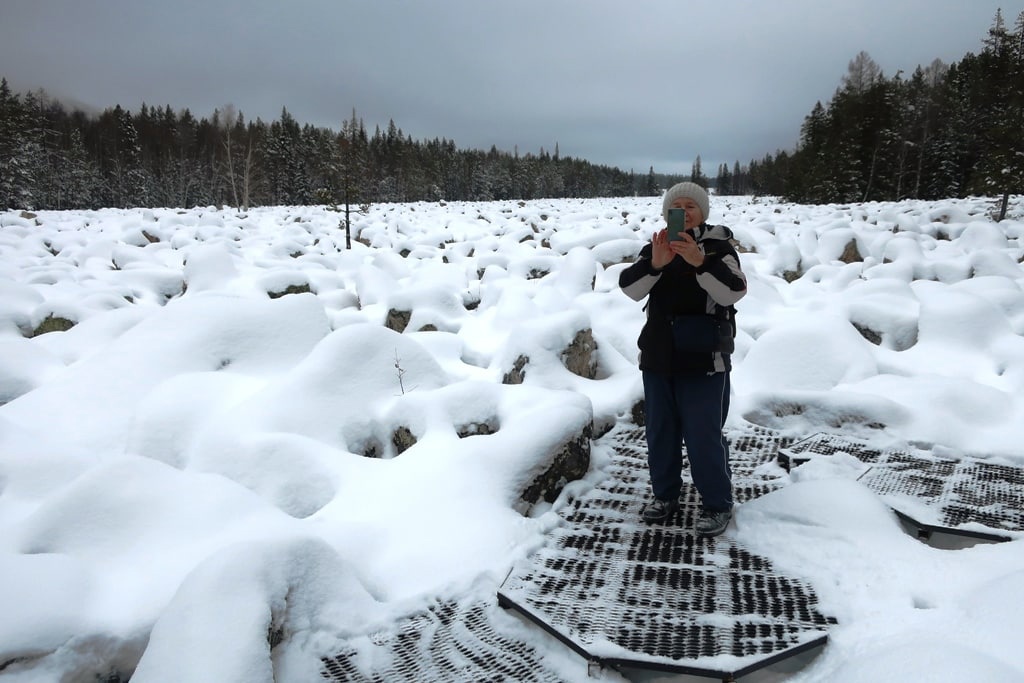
[869, 334]
[53, 323]
[516, 375]
[637, 413]
[397, 320]
[477, 429]
[403, 439]
[579, 357]
[851, 254]
[568, 463]
[290, 289]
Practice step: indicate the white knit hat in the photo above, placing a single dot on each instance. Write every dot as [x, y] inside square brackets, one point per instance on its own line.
[685, 190]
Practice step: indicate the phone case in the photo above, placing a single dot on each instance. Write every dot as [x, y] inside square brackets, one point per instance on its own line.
[676, 224]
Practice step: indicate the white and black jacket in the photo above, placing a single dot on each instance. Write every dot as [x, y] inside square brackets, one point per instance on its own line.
[680, 291]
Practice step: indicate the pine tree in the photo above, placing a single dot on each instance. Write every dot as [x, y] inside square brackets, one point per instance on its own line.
[1001, 171]
[353, 148]
[78, 176]
[17, 185]
[651, 185]
[39, 148]
[924, 99]
[187, 155]
[987, 92]
[810, 179]
[697, 175]
[723, 181]
[134, 188]
[283, 151]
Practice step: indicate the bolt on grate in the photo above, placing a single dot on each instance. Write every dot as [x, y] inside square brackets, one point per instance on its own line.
[449, 642]
[969, 497]
[657, 597]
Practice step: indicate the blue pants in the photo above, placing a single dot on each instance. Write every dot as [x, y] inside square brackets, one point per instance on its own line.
[688, 409]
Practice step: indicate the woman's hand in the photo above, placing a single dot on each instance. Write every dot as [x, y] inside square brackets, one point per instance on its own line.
[688, 248]
[663, 250]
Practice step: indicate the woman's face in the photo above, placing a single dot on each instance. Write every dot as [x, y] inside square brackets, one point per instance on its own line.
[693, 212]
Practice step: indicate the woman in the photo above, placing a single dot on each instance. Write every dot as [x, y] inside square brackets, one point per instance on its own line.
[691, 285]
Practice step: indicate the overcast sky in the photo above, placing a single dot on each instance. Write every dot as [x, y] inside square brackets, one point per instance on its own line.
[630, 83]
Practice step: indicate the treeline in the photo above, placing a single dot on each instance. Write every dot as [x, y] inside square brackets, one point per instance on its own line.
[946, 131]
[52, 158]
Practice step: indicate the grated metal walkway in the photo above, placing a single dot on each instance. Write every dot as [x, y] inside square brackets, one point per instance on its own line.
[629, 595]
[453, 641]
[966, 497]
[622, 594]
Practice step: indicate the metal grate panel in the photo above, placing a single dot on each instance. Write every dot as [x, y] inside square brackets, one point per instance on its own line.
[657, 597]
[968, 497]
[449, 642]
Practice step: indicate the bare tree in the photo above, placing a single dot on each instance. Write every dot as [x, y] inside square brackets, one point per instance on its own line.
[238, 156]
[861, 73]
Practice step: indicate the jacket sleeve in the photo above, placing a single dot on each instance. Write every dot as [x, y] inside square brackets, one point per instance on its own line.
[637, 280]
[723, 279]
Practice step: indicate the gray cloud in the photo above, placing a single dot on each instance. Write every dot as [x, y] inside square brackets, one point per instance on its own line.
[633, 85]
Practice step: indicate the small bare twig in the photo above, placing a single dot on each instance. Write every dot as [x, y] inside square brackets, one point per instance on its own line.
[401, 372]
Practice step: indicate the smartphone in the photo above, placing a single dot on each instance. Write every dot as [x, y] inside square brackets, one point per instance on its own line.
[676, 224]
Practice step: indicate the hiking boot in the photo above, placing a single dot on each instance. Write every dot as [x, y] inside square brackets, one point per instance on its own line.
[659, 510]
[712, 523]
